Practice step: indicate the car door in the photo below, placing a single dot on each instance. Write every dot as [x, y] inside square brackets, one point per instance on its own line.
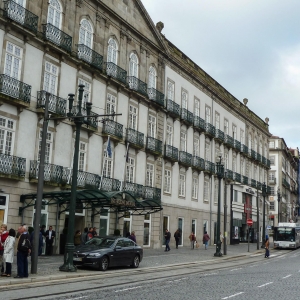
[129, 251]
[117, 256]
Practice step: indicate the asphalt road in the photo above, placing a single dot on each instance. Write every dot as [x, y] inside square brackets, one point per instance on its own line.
[248, 278]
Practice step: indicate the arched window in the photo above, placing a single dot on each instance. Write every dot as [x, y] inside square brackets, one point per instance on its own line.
[54, 13]
[133, 65]
[112, 53]
[152, 78]
[86, 33]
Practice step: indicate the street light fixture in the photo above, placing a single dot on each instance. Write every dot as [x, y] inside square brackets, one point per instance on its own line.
[225, 214]
[220, 174]
[264, 192]
[278, 199]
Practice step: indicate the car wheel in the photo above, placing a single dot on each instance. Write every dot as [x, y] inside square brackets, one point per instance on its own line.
[104, 263]
[136, 262]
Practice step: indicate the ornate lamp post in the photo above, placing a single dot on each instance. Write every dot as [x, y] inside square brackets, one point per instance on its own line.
[220, 174]
[264, 192]
[225, 215]
[278, 199]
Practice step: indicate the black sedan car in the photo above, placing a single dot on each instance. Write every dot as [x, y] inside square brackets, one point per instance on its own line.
[109, 251]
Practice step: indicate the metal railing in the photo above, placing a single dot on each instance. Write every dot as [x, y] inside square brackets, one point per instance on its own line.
[84, 179]
[52, 173]
[185, 158]
[198, 163]
[253, 154]
[137, 85]
[199, 123]
[90, 56]
[154, 145]
[135, 189]
[210, 129]
[253, 183]
[12, 165]
[237, 145]
[187, 116]
[210, 167]
[228, 140]
[152, 193]
[229, 174]
[173, 108]
[156, 96]
[56, 104]
[245, 180]
[244, 149]
[237, 177]
[110, 184]
[135, 137]
[219, 135]
[111, 127]
[115, 71]
[171, 152]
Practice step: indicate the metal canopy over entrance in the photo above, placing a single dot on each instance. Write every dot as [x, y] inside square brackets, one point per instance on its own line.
[95, 200]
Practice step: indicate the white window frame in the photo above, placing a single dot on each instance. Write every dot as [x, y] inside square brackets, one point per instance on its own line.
[216, 191]
[206, 190]
[13, 60]
[7, 135]
[171, 90]
[183, 140]
[234, 131]
[163, 229]
[226, 126]
[111, 104]
[195, 186]
[86, 33]
[112, 51]
[86, 91]
[184, 99]
[108, 164]
[147, 222]
[207, 150]
[196, 145]
[133, 117]
[56, 8]
[134, 65]
[182, 184]
[150, 175]
[5, 207]
[152, 78]
[130, 170]
[49, 146]
[207, 114]
[167, 181]
[217, 120]
[102, 217]
[82, 154]
[169, 138]
[151, 126]
[195, 231]
[196, 107]
[242, 136]
[50, 78]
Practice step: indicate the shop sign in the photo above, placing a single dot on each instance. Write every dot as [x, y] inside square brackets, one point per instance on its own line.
[250, 191]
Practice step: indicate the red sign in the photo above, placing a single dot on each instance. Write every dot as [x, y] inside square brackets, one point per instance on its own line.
[249, 222]
[248, 207]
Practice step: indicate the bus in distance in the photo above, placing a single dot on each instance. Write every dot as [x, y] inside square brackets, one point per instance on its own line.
[287, 236]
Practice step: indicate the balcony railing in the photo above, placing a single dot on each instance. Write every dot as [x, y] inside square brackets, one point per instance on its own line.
[198, 163]
[185, 158]
[137, 85]
[56, 104]
[52, 173]
[268, 163]
[19, 14]
[111, 127]
[210, 167]
[253, 183]
[199, 124]
[173, 108]
[156, 96]
[285, 183]
[90, 56]
[171, 153]
[264, 160]
[237, 177]
[269, 190]
[259, 185]
[229, 174]
[272, 180]
[210, 129]
[15, 88]
[115, 71]
[154, 145]
[135, 138]
[219, 135]
[258, 157]
[84, 179]
[135, 189]
[237, 145]
[110, 184]
[245, 180]
[91, 121]
[244, 149]
[253, 154]
[12, 165]
[187, 116]
[151, 193]
[228, 140]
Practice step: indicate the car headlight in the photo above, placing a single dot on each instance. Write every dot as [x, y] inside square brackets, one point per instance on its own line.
[94, 255]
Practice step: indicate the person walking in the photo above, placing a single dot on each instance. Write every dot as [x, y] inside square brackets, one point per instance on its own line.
[77, 238]
[50, 235]
[132, 236]
[167, 238]
[267, 244]
[177, 237]
[192, 238]
[206, 238]
[8, 254]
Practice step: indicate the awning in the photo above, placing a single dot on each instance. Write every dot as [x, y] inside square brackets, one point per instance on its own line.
[95, 200]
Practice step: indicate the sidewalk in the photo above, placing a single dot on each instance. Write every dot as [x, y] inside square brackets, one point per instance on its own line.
[48, 266]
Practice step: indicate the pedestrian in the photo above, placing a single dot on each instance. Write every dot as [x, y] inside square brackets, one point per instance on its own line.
[167, 238]
[3, 237]
[132, 236]
[90, 233]
[9, 249]
[50, 235]
[192, 238]
[206, 238]
[177, 237]
[84, 236]
[77, 238]
[267, 244]
[43, 230]
[24, 249]
[221, 239]
[94, 231]
[40, 242]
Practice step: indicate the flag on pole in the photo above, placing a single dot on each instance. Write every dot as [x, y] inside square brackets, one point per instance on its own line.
[108, 148]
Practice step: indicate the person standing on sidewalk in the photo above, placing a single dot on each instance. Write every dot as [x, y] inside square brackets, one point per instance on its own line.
[177, 237]
[167, 238]
[9, 247]
[206, 238]
[192, 238]
[267, 244]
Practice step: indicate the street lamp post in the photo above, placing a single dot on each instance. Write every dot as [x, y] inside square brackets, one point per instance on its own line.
[225, 216]
[264, 191]
[278, 199]
[220, 174]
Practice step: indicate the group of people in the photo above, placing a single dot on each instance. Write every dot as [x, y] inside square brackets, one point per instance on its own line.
[192, 238]
[86, 235]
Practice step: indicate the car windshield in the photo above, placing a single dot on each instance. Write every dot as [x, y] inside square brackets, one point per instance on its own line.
[106, 242]
[94, 241]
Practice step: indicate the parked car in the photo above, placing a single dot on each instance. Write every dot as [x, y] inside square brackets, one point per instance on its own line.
[110, 251]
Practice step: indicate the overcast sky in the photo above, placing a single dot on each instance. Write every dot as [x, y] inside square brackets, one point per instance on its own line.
[251, 47]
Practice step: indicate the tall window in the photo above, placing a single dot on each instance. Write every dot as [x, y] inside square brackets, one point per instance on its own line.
[197, 108]
[217, 121]
[86, 90]
[184, 99]
[183, 141]
[48, 151]
[226, 126]
[13, 60]
[206, 190]
[104, 222]
[260, 148]
[242, 167]
[234, 163]
[242, 137]
[207, 150]
[169, 135]
[133, 65]
[168, 180]
[6, 136]
[54, 13]
[171, 89]
[86, 33]
[226, 160]
[196, 147]
[132, 117]
[111, 104]
[250, 141]
[82, 156]
[151, 126]
[150, 175]
[147, 223]
[112, 53]
[181, 185]
[108, 162]
[195, 188]
[152, 78]
[130, 166]
[207, 114]
[234, 132]
[50, 78]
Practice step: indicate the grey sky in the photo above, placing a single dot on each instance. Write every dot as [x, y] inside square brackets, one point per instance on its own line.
[251, 47]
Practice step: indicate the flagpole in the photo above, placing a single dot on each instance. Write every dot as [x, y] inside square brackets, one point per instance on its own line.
[100, 184]
[122, 187]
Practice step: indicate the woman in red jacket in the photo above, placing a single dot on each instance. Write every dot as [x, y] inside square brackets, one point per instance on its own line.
[3, 237]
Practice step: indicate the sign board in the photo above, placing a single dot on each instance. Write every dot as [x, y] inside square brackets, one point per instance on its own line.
[249, 222]
[269, 227]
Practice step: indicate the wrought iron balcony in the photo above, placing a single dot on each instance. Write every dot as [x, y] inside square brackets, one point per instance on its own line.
[199, 124]
[285, 183]
[269, 190]
[135, 138]
[110, 184]
[84, 179]
[187, 116]
[173, 108]
[185, 158]
[90, 56]
[237, 177]
[137, 85]
[253, 154]
[152, 193]
[258, 157]
[57, 37]
[135, 189]
[156, 96]
[115, 71]
[198, 163]
[171, 153]
[268, 163]
[52, 173]
[259, 185]
[245, 180]
[210, 167]
[253, 183]
[264, 160]
[237, 145]
[229, 174]
[154, 146]
[113, 128]
[19, 14]
[57, 105]
[210, 130]
[91, 121]
[219, 136]
[228, 140]
[12, 166]
[244, 149]
[14, 88]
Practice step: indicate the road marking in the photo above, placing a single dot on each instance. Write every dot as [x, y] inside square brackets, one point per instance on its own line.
[287, 276]
[265, 284]
[235, 269]
[233, 295]
[256, 254]
[253, 266]
[77, 298]
[132, 288]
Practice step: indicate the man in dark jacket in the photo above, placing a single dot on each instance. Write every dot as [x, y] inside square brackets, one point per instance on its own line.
[167, 238]
[50, 236]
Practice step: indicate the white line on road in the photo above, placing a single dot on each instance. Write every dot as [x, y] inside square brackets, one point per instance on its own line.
[77, 298]
[256, 254]
[132, 288]
[235, 269]
[253, 266]
[233, 295]
[287, 276]
[265, 284]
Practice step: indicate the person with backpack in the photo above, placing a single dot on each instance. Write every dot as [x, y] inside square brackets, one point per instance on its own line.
[206, 238]
[24, 249]
[192, 238]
